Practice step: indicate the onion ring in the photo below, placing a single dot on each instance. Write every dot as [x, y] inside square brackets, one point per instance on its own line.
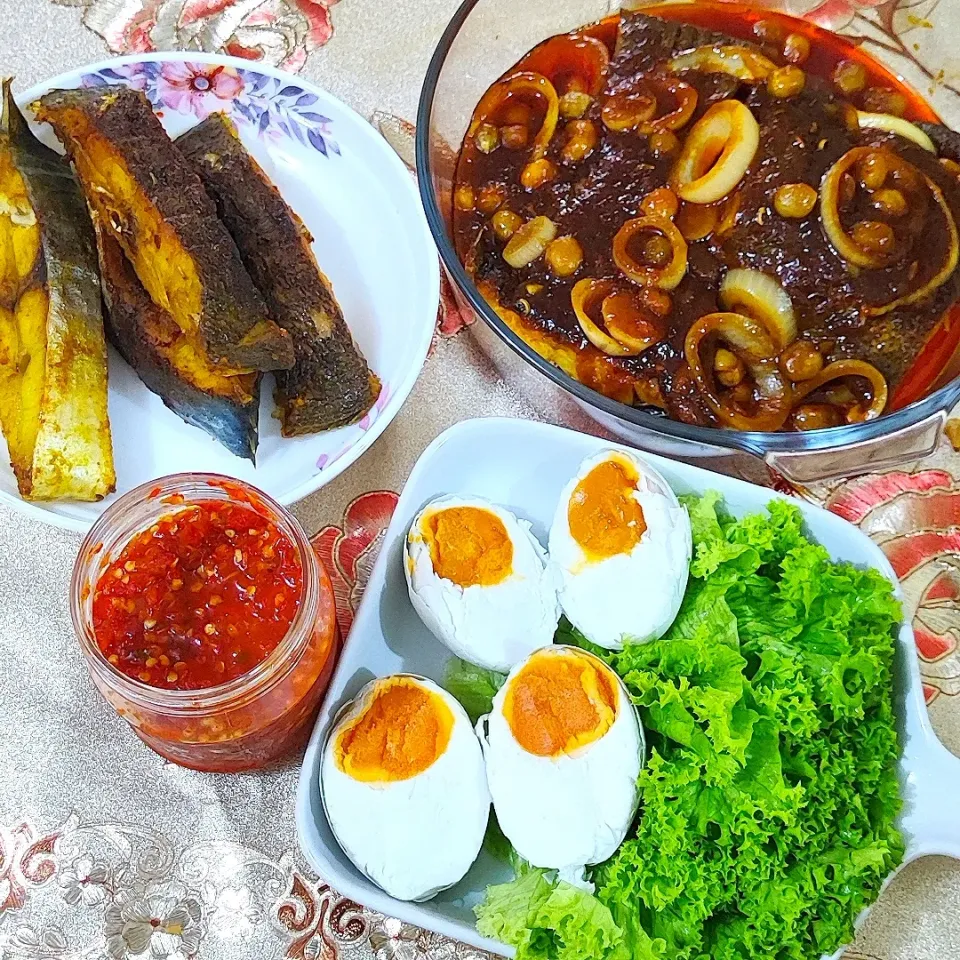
[897, 125]
[629, 331]
[736, 61]
[849, 368]
[531, 83]
[761, 297]
[749, 340]
[841, 241]
[686, 97]
[666, 277]
[716, 154]
[571, 54]
[943, 274]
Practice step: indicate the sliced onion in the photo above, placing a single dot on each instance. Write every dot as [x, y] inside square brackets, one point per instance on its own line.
[740, 62]
[849, 368]
[686, 97]
[519, 83]
[945, 271]
[716, 154]
[760, 296]
[584, 297]
[570, 55]
[529, 242]
[666, 277]
[897, 125]
[750, 341]
[842, 242]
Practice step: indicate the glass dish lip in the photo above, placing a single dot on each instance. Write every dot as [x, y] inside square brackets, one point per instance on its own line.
[756, 442]
[234, 692]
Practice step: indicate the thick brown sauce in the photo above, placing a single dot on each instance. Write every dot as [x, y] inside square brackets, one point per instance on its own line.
[801, 138]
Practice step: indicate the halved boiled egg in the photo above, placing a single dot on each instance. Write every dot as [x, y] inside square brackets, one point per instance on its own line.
[404, 788]
[563, 750]
[621, 542]
[478, 578]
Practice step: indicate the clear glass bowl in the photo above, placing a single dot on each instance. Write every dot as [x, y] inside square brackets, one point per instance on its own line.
[485, 38]
[247, 722]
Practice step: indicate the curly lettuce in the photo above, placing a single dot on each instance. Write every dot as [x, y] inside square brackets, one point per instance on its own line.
[769, 798]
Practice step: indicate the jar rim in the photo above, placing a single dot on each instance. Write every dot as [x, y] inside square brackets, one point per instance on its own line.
[103, 535]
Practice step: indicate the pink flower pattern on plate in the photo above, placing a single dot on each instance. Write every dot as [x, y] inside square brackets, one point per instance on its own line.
[197, 88]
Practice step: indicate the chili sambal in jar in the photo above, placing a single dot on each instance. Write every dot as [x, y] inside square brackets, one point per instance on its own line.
[725, 214]
[207, 621]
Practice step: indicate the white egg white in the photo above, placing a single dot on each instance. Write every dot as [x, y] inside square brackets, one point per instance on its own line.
[633, 595]
[566, 812]
[413, 837]
[492, 626]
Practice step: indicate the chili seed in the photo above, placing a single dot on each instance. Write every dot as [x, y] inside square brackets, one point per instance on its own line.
[564, 256]
[574, 104]
[514, 136]
[786, 82]
[506, 223]
[490, 197]
[464, 200]
[815, 416]
[872, 170]
[849, 77]
[796, 48]
[656, 301]
[661, 202]
[890, 202]
[149, 624]
[884, 100]
[848, 188]
[487, 138]
[150, 661]
[164, 660]
[657, 250]
[113, 658]
[538, 172]
[582, 141]
[801, 360]
[873, 236]
[129, 566]
[663, 142]
[176, 584]
[794, 200]
[145, 676]
[171, 677]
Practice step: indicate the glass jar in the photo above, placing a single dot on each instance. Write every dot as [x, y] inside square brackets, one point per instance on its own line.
[246, 722]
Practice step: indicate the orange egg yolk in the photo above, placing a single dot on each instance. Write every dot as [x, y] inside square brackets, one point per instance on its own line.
[560, 701]
[402, 731]
[469, 546]
[603, 515]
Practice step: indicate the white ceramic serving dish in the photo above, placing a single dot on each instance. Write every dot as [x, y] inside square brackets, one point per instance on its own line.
[370, 238]
[524, 465]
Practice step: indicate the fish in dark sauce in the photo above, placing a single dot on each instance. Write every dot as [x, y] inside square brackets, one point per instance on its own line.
[739, 219]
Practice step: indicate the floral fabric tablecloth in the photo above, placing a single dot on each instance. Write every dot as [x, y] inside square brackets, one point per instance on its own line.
[106, 851]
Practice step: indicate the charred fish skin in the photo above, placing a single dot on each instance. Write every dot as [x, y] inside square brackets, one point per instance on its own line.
[331, 384]
[133, 322]
[54, 314]
[154, 204]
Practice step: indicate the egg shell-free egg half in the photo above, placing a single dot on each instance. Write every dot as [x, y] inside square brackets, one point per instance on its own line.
[417, 836]
[634, 594]
[492, 625]
[566, 811]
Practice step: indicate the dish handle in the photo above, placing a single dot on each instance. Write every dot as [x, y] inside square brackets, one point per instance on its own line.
[866, 456]
[931, 819]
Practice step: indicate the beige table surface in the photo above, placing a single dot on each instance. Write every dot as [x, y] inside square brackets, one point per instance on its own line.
[97, 834]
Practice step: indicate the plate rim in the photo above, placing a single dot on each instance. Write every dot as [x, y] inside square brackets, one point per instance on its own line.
[400, 391]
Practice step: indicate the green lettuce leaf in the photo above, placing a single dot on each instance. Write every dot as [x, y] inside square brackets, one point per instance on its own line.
[769, 797]
[475, 687]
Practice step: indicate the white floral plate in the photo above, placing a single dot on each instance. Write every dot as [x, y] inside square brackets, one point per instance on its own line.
[370, 238]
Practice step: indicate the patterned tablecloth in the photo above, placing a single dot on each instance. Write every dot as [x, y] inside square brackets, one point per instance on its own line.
[108, 851]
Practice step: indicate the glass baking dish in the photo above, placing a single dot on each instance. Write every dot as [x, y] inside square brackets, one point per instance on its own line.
[484, 38]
